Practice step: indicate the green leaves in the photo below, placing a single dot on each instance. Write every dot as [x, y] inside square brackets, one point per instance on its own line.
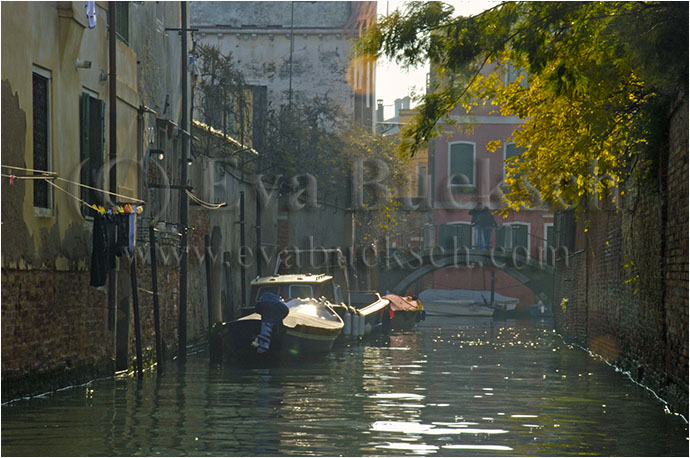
[594, 78]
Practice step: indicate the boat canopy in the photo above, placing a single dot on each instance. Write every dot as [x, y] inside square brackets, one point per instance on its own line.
[402, 304]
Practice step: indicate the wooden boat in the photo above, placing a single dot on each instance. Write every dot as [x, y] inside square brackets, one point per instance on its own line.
[298, 328]
[404, 312]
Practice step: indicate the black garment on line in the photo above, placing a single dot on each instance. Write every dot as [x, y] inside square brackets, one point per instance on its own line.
[110, 234]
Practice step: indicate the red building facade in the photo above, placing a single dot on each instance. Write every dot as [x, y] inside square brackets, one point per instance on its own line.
[465, 173]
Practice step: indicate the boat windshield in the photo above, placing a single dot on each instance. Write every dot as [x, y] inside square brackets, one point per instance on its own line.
[275, 289]
[303, 291]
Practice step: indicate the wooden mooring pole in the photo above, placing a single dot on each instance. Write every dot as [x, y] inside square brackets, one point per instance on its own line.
[156, 314]
[135, 308]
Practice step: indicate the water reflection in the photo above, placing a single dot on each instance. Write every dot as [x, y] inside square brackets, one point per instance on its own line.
[452, 387]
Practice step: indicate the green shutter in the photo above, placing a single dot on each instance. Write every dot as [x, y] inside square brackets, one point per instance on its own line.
[84, 155]
[445, 236]
[501, 237]
[462, 232]
[549, 237]
[465, 235]
[461, 166]
[122, 12]
[520, 235]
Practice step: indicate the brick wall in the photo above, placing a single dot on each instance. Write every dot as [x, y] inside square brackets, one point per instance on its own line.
[676, 253]
[624, 292]
[54, 331]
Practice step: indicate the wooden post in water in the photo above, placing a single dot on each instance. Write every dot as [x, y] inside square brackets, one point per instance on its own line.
[207, 264]
[493, 275]
[135, 308]
[154, 285]
[215, 342]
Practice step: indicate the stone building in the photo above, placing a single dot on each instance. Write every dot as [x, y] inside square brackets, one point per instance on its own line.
[291, 53]
[294, 51]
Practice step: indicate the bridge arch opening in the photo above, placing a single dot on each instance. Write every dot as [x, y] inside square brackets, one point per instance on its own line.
[536, 278]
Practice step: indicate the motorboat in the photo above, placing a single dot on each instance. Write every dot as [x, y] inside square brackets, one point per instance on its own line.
[297, 328]
[304, 324]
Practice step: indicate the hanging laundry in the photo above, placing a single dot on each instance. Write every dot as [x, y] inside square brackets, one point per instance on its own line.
[101, 251]
[132, 231]
[113, 235]
[90, 13]
[122, 240]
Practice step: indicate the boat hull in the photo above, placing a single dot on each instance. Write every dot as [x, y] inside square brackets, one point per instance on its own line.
[307, 331]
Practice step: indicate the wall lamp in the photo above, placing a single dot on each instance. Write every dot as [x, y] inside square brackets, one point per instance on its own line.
[83, 63]
[157, 152]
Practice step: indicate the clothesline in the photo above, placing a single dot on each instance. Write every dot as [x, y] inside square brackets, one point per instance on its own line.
[16, 177]
[24, 169]
[54, 176]
[130, 199]
[70, 194]
[207, 205]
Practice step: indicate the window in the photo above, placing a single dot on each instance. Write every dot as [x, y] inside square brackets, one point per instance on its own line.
[461, 164]
[512, 73]
[512, 235]
[550, 242]
[92, 151]
[42, 136]
[462, 232]
[267, 289]
[303, 291]
[122, 24]
[511, 150]
[421, 181]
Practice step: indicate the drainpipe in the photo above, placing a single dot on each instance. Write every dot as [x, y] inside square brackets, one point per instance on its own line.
[112, 182]
[182, 318]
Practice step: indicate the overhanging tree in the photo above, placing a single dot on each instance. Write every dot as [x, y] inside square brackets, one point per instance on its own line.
[598, 80]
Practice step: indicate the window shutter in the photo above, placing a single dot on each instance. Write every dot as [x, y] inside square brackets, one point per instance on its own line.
[501, 238]
[549, 237]
[40, 137]
[445, 236]
[520, 235]
[465, 235]
[462, 163]
[84, 152]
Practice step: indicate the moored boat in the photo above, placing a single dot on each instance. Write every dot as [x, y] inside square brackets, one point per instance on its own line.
[298, 328]
[465, 302]
[404, 312]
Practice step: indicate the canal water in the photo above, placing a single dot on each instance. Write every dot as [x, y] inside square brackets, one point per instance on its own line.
[453, 387]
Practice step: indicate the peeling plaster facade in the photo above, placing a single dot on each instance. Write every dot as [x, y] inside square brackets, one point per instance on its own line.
[303, 46]
[56, 329]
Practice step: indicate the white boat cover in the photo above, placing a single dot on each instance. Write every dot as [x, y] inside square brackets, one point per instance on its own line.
[465, 296]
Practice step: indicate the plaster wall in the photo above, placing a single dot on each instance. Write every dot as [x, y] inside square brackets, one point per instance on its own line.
[259, 39]
[53, 41]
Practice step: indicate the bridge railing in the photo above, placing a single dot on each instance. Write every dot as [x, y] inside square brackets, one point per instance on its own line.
[426, 237]
[418, 238]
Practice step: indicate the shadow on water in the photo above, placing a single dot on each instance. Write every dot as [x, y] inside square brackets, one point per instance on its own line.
[454, 386]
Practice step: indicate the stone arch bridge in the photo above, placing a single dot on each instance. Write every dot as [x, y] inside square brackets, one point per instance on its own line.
[398, 270]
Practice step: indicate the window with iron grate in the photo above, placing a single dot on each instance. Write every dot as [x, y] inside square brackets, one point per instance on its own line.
[41, 137]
